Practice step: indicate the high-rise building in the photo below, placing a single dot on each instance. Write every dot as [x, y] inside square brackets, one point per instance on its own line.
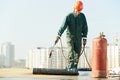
[58, 58]
[39, 58]
[7, 55]
[113, 56]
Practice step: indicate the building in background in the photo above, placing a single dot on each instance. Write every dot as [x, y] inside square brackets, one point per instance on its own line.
[58, 58]
[85, 59]
[113, 52]
[7, 54]
[39, 58]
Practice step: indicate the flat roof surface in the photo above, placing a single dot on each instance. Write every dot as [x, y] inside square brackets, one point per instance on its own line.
[25, 74]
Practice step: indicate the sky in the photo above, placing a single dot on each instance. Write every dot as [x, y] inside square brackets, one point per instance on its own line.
[34, 23]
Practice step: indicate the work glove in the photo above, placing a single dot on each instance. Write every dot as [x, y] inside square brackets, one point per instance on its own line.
[84, 42]
[57, 39]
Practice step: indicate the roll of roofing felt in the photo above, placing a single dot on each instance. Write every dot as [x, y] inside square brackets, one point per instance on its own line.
[55, 71]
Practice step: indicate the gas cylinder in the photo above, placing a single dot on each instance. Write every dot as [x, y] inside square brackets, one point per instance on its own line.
[99, 56]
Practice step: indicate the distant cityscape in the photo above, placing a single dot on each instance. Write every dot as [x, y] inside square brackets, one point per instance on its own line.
[38, 57]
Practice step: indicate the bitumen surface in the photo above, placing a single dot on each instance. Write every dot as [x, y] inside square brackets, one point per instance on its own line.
[27, 74]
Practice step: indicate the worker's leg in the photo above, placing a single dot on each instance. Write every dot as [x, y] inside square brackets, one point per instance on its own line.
[77, 49]
[74, 49]
[70, 45]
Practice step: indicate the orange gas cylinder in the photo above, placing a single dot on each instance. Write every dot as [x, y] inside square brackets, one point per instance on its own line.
[99, 56]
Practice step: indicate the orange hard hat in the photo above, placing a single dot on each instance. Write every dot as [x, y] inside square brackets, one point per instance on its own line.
[78, 6]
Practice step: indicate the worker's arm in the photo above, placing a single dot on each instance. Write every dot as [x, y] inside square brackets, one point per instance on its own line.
[84, 30]
[61, 30]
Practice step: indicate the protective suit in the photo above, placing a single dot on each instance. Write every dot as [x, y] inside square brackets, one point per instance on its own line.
[76, 29]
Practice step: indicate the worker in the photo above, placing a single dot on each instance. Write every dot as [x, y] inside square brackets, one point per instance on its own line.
[77, 30]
